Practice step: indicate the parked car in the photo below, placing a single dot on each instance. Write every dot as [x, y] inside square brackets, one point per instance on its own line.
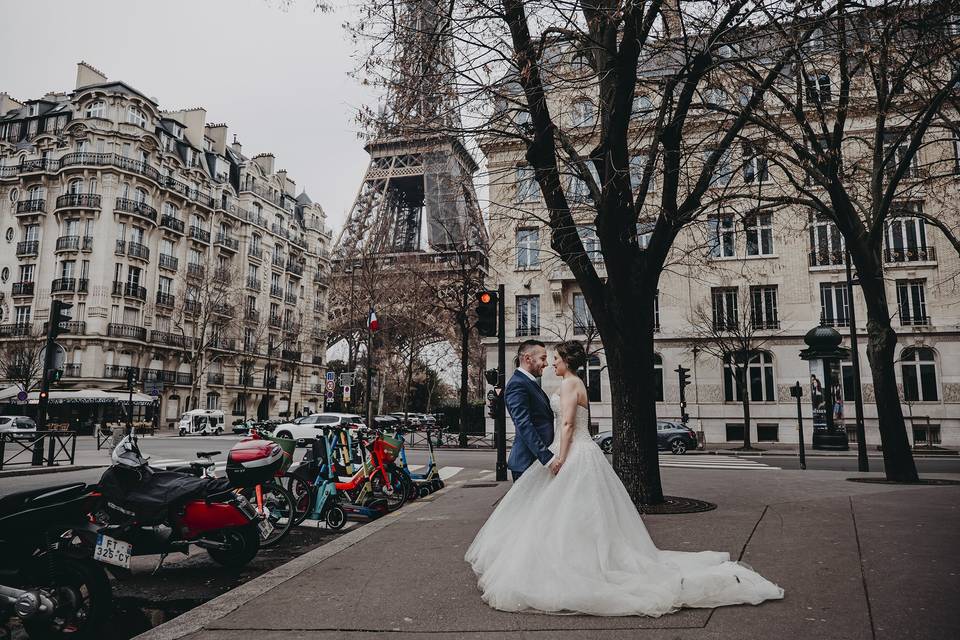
[305, 428]
[412, 419]
[671, 436]
[17, 423]
[386, 422]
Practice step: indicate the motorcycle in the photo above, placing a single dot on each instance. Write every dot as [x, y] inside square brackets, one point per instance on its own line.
[148, 511]
[48, 578]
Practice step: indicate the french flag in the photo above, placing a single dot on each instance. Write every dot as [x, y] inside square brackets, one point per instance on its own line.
[372, 323]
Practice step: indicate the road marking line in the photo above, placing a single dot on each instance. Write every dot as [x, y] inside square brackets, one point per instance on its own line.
[449, 472]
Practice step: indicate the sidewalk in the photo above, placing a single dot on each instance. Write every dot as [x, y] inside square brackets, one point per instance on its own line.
[856, 560]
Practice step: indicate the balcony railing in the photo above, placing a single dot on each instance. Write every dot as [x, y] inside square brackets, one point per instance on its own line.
[317, 358]
[915, 321]
[166, 338]
[28, 248]
[168, 261]
[61, 285]
[318, 306]
[290, 354]
[23, 288]
[724, 325]
[15, 330]
[276, 291]
[117, 371]
[133, 331]
[255, 252]
[68, 243]
[296, 268]
[172, 223]
[228, 242]
[910, 254]
[195, 270]
[826, 258]
[137, 250]
[192, 307]
[278, 261]
[214, 378]
[224, 344]
[765, 324]
[221, 309]
[834, 322]
[78, 201]
[253, 315]
[200, 234]
[31, 206]
[142, 209]
[72, 370]
[291, 327]
[75, 327]
[129, 290]
[291, 297]
[165, 299]
[253, 283]
[276, 322]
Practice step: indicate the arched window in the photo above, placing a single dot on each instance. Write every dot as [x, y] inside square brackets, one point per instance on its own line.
[141, 195]
[35, 192]
[97, 109]
[919, 370]
[137, 117]
[658, 376]
[75, 186]
[759, 378]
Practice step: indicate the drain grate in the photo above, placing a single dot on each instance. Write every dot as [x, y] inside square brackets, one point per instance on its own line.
[675, 504]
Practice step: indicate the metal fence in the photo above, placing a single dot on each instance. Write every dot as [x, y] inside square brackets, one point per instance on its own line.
[37, 448]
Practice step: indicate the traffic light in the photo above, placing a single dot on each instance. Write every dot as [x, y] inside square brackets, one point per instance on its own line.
[59, 312]
[684, 374]
[493, 402]
[487, 313]
[492, 376]
[44, 394]
[55, 375]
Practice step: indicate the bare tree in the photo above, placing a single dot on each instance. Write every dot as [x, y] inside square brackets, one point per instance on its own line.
[858, 104]
[21, 360]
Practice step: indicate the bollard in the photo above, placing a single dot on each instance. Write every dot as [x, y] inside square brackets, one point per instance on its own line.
[37, 460]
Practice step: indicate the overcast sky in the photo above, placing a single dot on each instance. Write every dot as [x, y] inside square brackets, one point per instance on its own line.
[275, 71]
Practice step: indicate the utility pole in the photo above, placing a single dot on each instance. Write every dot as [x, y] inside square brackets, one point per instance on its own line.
[131, 378]
[500, 421]
[863, 463]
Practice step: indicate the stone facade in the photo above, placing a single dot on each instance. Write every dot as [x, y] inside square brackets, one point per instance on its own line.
[127, 211]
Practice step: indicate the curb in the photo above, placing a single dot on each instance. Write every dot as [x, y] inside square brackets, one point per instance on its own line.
[42, 470]
[195, 619]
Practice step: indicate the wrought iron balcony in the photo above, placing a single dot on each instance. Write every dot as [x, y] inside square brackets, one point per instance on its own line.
[68, 243]
[255, 252]
[253, 315]
[195, 270]
[227, 241]
[192, 307]
[296, 268]
[291, 327]
[826, 321]
[291, 297]
[75, 327]
[78, 201]
[765, 324]
[129, 290]
[15, 330]
[117, 330]
[168, 261]
[317, 358]
[117, 371]
[224, 344]
[253, 283]
[166, 338]
[28, 248]
[137, 250]
[61, 285]
[198, 233]
[910, 254]
[183, 379]
[172, 223]
[214, 378]
[318, 306]
[826, 258]
[222, 309]
[276, 291]
[23, 288]
[31, 206]
[290, 354]
[278, 260]
[142, 209]
[276, 322]
[165, 299]
[915, 320]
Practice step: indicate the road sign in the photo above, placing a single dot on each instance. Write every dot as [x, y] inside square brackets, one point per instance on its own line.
[59, 356]
[346, 379]
[22, 395]
[346, 393]
[329, 397]
[154, 391]
[330, 385]
[331, 375]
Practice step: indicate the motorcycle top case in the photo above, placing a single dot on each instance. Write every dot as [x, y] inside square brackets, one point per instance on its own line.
[251, 462]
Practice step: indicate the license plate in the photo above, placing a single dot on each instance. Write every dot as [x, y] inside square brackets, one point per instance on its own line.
[112, 551]
[266, 528]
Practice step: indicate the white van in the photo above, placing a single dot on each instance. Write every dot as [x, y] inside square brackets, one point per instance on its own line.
[201, 422]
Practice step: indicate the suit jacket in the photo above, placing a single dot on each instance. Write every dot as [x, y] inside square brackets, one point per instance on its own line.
[532, 417]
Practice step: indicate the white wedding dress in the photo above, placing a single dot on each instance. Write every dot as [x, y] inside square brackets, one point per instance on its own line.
[575, 543]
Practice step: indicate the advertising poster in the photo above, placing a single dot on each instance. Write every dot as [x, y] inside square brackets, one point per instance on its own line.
[818, 396]
[836, 395]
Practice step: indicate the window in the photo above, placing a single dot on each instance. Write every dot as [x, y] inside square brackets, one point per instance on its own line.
[165, 285]
[763, 307]
[926, 434]
[581, 113]
[895, 155]
[919, 371]
[768, 433]
[528, 315]
[528, 248]
[645, 232]
[755, 165]
[136, 116]
[826, 243]
[656, 311]
[759, 381]
[905, 238]
[67, 268]
[638, 164]
[32, 233]
[141, 196]
[166, 246]
[170, 209]
[527, 187]
[578, 190]
[658, 376]
[97, 109]
[815, 41]
[722, 172]
[722, 238]
[194, 256]
[36, 192]
[591, 243]
[724, 301]
[213, 401]
[253, 272]
[26, 272]
[591, 378]
[715, 96]
[133, 276]
[818, 88]
[582, 319]
[911, 302]
[642, 106]
[759, 230]
[22, 315]
[834, 305]
[75, 187]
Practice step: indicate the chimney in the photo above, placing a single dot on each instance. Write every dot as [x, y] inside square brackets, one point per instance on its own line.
[7, 103]
[265, 162]
[88, 76]
[217, 133]
[194, 121]
[670, 12]
[236, 147]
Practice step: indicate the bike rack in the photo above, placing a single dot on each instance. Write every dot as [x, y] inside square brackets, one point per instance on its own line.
[60, 446]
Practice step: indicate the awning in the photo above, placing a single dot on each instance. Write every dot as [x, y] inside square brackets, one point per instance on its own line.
[80, 396]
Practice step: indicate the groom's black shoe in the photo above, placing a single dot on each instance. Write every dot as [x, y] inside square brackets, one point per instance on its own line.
[516, 475]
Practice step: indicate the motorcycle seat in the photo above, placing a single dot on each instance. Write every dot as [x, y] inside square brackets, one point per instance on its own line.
[208, 454]
[14, 502]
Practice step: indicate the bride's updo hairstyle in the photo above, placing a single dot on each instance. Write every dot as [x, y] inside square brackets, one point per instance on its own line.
[573, 354]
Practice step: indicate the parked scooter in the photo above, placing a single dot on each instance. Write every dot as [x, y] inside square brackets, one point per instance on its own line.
[147, 511]
[48, 578]
[420, 484]
[313, 485]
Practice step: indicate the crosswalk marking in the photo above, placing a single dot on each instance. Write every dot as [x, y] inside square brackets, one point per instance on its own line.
[448, 472]
[715, 462]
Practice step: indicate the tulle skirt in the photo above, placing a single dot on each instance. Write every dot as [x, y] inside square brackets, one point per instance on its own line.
[574, 543]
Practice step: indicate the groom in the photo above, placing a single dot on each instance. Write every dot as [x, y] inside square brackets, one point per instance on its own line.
[530, 410]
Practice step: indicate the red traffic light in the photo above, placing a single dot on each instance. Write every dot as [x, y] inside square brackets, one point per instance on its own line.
[485, 297]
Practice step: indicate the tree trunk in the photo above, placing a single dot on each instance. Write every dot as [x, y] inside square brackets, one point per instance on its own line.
[464, 375]
[881, 343]
[745, 399]
[630, 367]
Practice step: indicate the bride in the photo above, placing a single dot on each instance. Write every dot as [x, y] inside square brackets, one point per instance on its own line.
[569, 539]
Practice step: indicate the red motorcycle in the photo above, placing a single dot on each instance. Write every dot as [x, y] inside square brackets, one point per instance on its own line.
[148, 511]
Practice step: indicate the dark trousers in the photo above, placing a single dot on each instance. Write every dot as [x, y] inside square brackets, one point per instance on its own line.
[516, 474]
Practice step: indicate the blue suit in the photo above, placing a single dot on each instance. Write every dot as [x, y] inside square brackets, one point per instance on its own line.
[532, 417]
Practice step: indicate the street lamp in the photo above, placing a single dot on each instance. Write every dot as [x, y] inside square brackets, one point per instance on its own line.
[824, 354]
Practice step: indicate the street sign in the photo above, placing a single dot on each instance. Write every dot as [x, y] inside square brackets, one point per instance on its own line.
[346, 379]
[329, 397]
[59, 356]
[331, 375]
[330, 386]
[346, 393]
[154, 391]
[22, 395]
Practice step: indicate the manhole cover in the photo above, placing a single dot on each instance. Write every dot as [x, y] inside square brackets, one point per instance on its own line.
[480, 485]
[931, 481]
[674, 504]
